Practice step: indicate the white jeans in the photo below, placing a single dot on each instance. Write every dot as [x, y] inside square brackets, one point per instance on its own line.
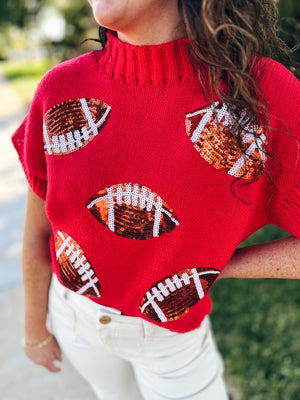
[128, 358]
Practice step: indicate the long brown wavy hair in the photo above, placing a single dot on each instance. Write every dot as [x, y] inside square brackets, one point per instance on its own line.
[223, 37]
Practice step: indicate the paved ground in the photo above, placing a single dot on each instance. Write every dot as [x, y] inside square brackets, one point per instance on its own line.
[19, 378]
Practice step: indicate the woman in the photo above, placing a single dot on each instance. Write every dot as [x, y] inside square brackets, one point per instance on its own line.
[148, 162]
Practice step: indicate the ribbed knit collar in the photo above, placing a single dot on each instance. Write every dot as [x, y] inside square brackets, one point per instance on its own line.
[154, 64]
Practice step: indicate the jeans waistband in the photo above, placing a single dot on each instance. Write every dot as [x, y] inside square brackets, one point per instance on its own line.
[84, 303]
[93, 310]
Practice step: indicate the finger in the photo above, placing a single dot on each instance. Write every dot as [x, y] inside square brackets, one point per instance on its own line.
[56, 362]
[57, 355]
[52, 367]
[57, 351]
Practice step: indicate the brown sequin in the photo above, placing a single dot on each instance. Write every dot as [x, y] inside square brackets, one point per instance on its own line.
[217, 142]
[172, 297]
[71, 125]
[75, 270]
[132, 211]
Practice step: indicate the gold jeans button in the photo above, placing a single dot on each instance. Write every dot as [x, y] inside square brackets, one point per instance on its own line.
[105, 319]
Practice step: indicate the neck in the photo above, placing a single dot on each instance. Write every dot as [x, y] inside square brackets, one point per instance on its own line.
[148, 38]
[165, 29]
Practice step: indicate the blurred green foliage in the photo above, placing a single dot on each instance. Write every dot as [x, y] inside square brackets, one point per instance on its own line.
[257, 328]
[78, 17]
[289, 11]
[18, 12]
[25, 15]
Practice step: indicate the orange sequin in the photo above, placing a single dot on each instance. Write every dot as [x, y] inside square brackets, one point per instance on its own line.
[132, 211]
[217, 142]
[173, 296]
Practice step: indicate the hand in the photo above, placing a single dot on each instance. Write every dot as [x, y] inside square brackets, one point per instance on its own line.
[46, 355]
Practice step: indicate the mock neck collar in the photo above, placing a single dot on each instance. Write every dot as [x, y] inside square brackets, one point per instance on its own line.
[147, 64]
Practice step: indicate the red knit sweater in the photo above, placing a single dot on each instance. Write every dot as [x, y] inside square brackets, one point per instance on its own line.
[140, 179]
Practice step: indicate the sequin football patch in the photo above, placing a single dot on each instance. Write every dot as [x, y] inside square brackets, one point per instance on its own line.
[132, 211]
[172, 297]
[73, 124]
[76, 273]
[213, 136]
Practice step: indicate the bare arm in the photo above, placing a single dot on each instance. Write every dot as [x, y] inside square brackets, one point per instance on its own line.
[277, 259]
[36, 276]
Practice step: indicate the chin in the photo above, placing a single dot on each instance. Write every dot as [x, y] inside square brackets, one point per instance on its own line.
[108, 13]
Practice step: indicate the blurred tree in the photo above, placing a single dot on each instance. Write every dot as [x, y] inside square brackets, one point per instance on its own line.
[289, 11]
[78, 18]
[15, 14]
[12, 12]
[25, 14]
[18, 12]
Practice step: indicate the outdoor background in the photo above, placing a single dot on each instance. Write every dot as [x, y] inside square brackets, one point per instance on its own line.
[256, 322]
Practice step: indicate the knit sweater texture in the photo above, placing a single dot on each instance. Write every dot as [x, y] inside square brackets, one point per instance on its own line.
[146, 190]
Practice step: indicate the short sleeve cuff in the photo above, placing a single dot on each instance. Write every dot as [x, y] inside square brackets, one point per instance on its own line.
[37, 184]
[287, 216]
